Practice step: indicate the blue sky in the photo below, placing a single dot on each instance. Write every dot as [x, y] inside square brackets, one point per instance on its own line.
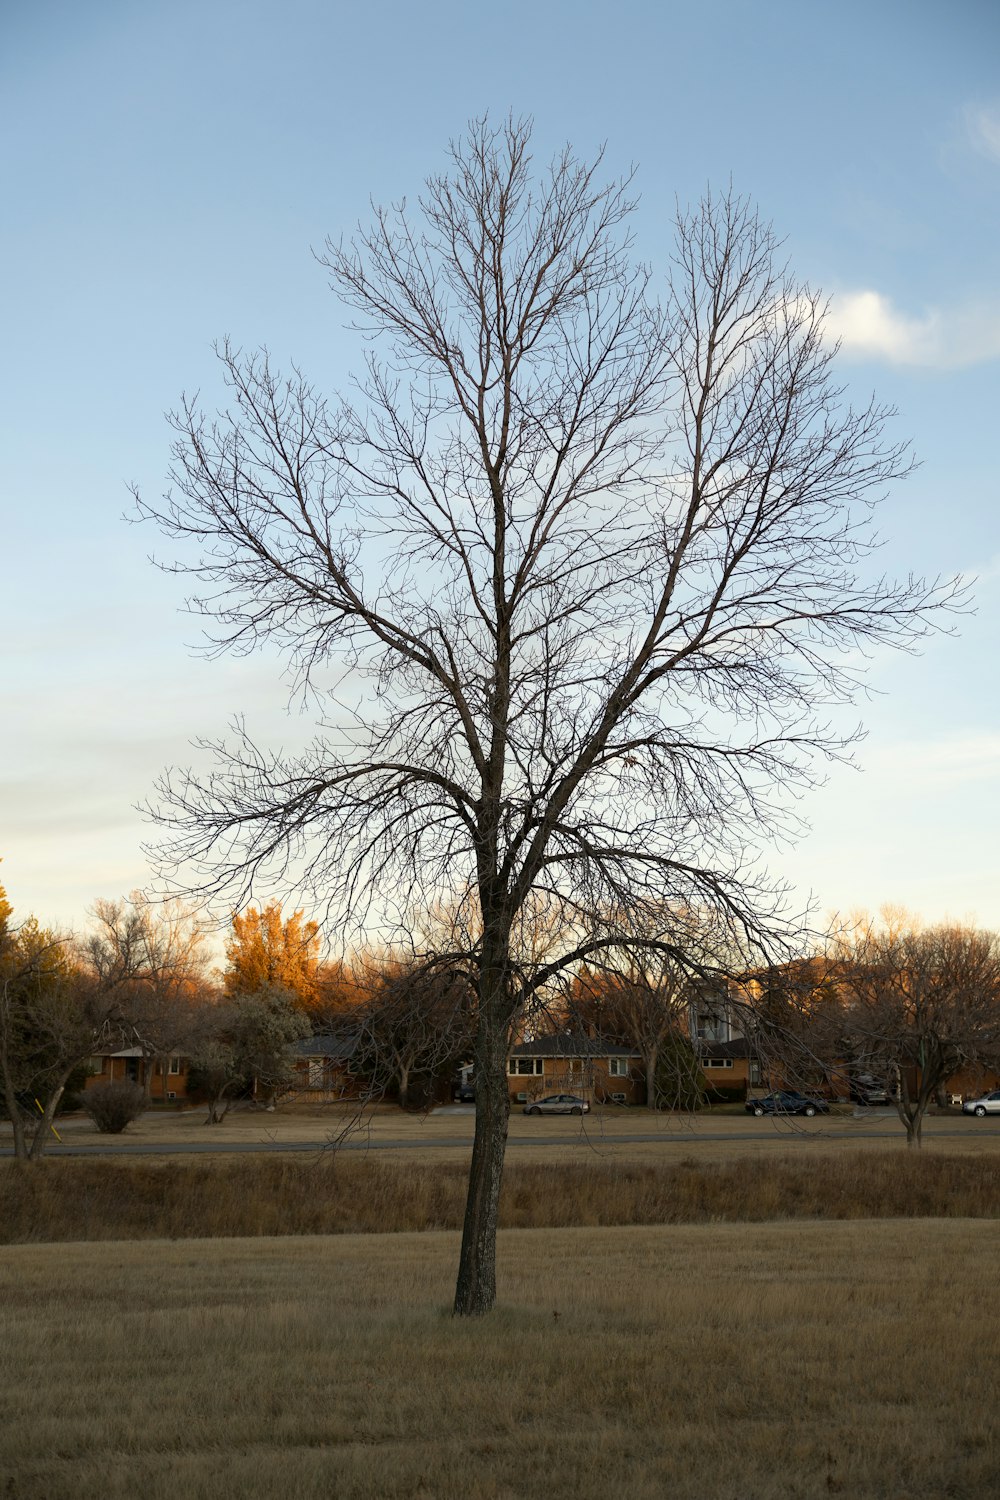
[167, 167]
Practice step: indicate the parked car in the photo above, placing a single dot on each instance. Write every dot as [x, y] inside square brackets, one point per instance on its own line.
[865, 1090]
[464, 1093]
[989, 1104]
[558, 1104]
[786, 1102]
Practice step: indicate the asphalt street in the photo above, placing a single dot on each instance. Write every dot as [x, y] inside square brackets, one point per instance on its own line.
[587, 1140]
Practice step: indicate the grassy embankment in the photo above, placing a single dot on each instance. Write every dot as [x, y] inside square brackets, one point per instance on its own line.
[722, 1362]
[210, 1197]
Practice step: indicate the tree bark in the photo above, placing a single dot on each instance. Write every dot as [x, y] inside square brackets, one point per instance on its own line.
[651, 1080]
[14, 1115]
[476, 1288]
[149, 1061]
[914, 1126]
[40, 1139]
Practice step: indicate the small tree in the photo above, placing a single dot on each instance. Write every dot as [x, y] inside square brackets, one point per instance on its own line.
[245, 1043]
[57, 1007]
[415, 1025]
[641, 996]
[919, 1005]
[678, 1082]
[162, 947]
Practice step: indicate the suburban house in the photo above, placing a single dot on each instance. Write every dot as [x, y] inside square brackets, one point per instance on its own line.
[729, 1065]
[129, 1065]
[716, 1026]
[600, 1072]
[322, 1067]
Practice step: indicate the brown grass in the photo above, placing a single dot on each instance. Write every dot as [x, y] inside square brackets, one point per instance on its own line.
[725, 1362]
[210, 1197]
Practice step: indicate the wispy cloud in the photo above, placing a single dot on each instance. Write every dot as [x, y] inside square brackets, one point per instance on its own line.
[982, 123]
[952, 760]
[870, 327]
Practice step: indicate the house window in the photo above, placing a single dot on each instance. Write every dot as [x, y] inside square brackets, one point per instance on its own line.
[717, 1062]
[175, 1065]
[618, 1067]
[520, 1066]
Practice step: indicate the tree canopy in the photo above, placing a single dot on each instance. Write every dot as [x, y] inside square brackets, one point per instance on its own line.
[267, 949]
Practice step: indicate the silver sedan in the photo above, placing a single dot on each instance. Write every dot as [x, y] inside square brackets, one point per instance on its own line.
[989, 1104]
[557, 1104]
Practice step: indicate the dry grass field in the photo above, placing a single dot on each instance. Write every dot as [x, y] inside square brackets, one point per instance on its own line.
[109, 1198]
[719, 1362]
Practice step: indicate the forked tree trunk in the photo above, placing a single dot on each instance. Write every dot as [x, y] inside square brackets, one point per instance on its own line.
[912, 1115]
[910, 1110]
[40, 1139]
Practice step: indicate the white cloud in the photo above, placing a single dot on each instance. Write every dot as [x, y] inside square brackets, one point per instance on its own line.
[921, 763]
[982, 123]
[870, 327]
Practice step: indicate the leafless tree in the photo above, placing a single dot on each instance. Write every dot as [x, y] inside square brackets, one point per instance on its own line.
[918, 1006]
[162, 946]
[414, 1022]
[640, 995]
[601, 557]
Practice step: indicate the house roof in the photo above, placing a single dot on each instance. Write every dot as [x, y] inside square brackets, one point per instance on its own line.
[738, 1047]
[571, 1045]
[334, 1048]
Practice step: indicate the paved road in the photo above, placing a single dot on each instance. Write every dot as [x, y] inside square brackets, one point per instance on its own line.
[585, 1141]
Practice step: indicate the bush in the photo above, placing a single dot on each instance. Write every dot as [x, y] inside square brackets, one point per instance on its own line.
[112, 1106]
[726, 1093]
[679, 1082]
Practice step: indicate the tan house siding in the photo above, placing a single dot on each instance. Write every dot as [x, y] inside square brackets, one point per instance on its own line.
[726, 1073]
[128, 1067]
[590, 1077]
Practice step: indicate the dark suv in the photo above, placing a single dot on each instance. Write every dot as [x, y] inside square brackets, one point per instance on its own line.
[786, 1102]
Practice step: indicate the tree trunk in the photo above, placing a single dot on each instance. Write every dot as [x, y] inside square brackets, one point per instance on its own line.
[148, 1069]
[911, 1111]
[476, 1289]
[13, 1108]
[20, 1143]
[914, 1125]
[40, 1139]
[650, 1080]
